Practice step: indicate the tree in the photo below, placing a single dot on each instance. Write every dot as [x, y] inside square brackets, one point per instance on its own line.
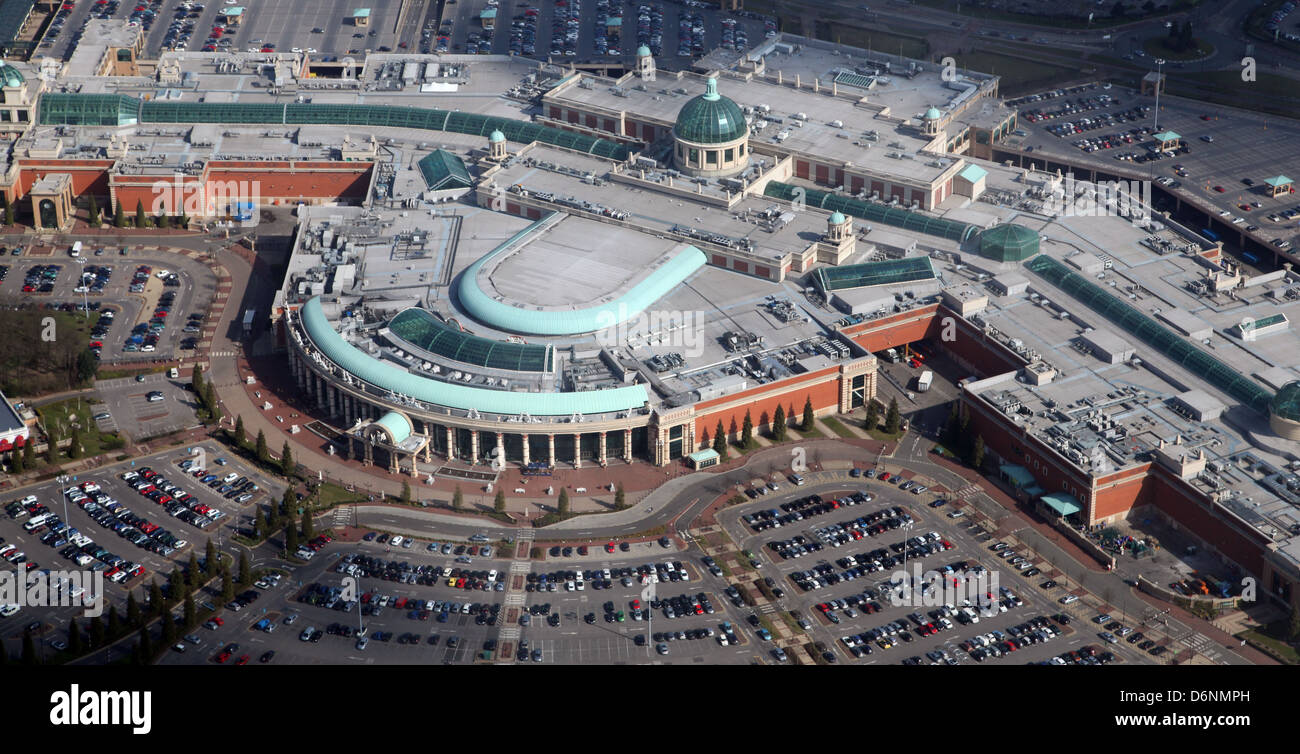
[1294, 626]
[119, 216]
[191, 614]
[720, 440]
[873, 416]
[141, 220]
[156, 606]
[893, 419]
[977, 453]
[210, 402]
[227, 586]
[209, 559]
[245, 574]
[457, 499]
[499, 503]
[290, 537]
[92, 217]
[808, 417]
[196, 381]
[114, 623]
[192, 577]
[168, 629]
[29, 649]
[132, 610]
[16, 462]
[8, 210]
[1117, 10]
[620, 497]
[175, 586]
[778, 424]
[164, 221]
[240, 439]
[74, 637]
[29, 454]
[74, 444]
[747, 431]
[286, 460]
[263, 454]
[87, 365]
[562, 505]
[51, 448]
[96, 632]
[308, 529]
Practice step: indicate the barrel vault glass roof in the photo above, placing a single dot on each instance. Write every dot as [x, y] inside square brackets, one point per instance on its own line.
[398, 426]
[89, 109]
[75, 109]
[511, 318]
[390, 377]
[1286, 403]
[889, 272]
[443, 170]
[419, 328]
[899, 218]
[1128, 319]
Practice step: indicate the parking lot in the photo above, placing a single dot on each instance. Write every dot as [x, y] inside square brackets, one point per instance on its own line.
[147, 305]
[132, 525]
[835, 562]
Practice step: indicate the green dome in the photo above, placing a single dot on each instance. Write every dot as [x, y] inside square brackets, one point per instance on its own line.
[642, 51]
[933, 114]
[1008, 243]
[496, 136]
[10, 76]
[837, 218]
[1286, 404]
[710, 118]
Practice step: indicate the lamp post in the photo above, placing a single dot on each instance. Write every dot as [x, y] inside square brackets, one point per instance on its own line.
[1160, 62]
[63, 493]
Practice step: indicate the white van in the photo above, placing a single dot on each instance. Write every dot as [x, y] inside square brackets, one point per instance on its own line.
[492, 575]
[37, 522]
[76, 249]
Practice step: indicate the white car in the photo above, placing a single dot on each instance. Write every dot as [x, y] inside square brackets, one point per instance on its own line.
[163, 274]
[396, 541]
[8, 610]
[1068, 599]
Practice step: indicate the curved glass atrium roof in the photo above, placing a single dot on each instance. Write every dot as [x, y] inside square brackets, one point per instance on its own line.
[420, 329]
[1128, 319]
[1286, 404]
[391, 378]
[511, 318]
[398, 426]
[899, 218]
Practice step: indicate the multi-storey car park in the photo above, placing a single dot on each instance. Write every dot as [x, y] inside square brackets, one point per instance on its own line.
[500, 261]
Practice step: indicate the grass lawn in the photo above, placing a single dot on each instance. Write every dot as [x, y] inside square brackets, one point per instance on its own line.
[63, 416]
[1016, 73]
[883, 436]
[1269, 637]
[810, 434]
[1158, 48]
[1268, 93]
[333, 494]
[838, 427]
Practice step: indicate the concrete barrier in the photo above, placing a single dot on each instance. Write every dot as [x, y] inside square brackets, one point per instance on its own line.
[1085, 544]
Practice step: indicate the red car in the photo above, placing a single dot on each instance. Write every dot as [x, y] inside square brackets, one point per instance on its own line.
[1219, 189]
[609, 547]
[243, 660]
[221, 658]
[885, 477]
[636, 604]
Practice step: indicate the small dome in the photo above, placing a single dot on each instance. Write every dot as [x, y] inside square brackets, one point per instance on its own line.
[1008, 242]
[710, 118]
[1286, 404]
[496, 136]
[933, 114]
[642, 51]
[10, 76]
[838, 218]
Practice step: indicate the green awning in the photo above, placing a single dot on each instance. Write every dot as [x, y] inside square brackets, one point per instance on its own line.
[1032, 490]
[703, 456]
[1018, 475]
[1062, 503]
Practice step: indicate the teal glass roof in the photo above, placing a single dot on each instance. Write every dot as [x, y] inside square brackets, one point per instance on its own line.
[710, 118]
[74, 109]
[89, 109]
[642, 51]
[397, 425]
[899, 218]
[973, 172]
[889, 272]
[1008, 242]
[510, 318]
[1062, 502]
[933, 113]
[385, 377]
[419, 328]
[443, 170]
[10, 76]
[857, 80]
[1130, 320]
[13, 14]
[1277, 180]
[1286, 403]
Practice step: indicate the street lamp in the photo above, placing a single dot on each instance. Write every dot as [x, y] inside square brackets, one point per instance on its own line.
[63, 493]
[1160, 82]
[85, 304]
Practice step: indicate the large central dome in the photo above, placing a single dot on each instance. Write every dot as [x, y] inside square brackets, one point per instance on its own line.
[710, 118]
[10, 76]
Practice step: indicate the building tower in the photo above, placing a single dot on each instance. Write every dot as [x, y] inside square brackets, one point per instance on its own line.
[645, 63]
[497, 145]
[930, 123]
